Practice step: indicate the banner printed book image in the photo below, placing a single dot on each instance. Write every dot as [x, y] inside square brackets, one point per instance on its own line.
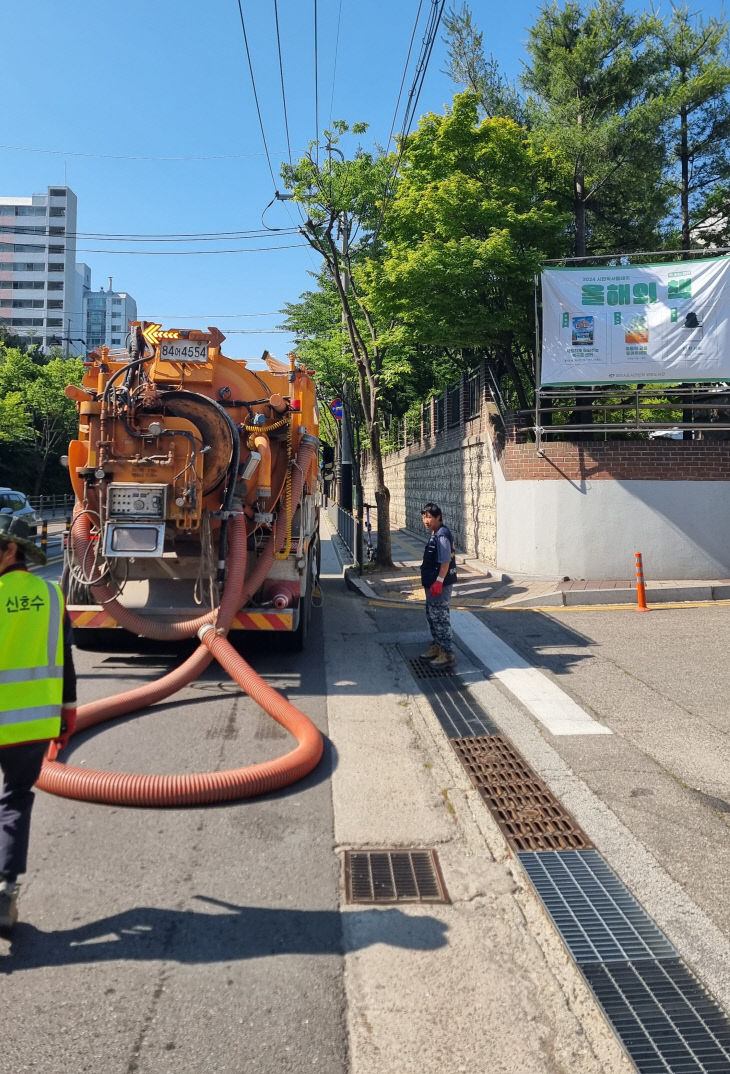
[668, 322]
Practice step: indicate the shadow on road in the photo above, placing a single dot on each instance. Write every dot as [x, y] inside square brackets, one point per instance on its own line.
[225, 933]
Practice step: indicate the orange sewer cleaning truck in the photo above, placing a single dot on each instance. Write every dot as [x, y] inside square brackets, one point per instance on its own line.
[177, 445]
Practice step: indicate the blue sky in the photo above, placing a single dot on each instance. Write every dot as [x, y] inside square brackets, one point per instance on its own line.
[105, 91]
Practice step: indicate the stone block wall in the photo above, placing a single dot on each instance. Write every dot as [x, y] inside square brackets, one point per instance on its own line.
[458, 476]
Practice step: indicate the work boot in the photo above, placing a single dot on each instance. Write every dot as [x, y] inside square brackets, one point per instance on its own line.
[8, 903]
[432, 651]
[443, 660]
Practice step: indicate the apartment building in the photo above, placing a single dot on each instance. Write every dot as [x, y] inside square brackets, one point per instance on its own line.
[107, 315]
[38, 278]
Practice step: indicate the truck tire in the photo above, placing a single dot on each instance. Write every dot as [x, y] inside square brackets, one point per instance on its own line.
[297, 640]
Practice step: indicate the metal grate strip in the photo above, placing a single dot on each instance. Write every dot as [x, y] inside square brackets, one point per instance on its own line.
[596, 915]
[393, 876]
[526, 810]
[663, 1017]
[455, 709]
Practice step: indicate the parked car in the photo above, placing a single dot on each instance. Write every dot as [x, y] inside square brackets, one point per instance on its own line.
[16, 503]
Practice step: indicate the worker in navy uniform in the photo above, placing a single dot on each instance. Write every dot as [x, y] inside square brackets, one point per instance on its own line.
[438, 574]
[37, 694]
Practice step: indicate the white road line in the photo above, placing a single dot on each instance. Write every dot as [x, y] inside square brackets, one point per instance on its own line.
[540, 695]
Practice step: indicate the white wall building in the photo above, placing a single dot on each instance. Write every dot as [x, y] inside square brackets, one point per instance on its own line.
[38, 279]
[107, 315]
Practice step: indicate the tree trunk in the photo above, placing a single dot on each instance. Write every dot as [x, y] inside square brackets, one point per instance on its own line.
[383, 552]
[684, 184]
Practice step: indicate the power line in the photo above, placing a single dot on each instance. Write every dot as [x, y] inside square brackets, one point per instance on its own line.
[281, 74]
[429, 38]
[208, 316]
[191, 253]
[405, 72]
[334, 66]
[316, 84]
[119, 156]
[100, 236]
[255, 94]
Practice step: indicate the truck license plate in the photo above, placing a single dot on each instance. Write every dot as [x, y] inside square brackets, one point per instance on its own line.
[182, 350]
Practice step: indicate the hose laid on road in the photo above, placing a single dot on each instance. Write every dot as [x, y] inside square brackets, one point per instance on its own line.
[115, 788]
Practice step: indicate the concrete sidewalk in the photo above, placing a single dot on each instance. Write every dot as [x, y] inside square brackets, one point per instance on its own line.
[481, 585]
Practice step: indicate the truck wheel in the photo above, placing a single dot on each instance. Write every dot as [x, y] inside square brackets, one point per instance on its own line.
[297, 640]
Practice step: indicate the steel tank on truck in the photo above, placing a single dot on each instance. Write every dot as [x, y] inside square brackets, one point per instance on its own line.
[174, 441]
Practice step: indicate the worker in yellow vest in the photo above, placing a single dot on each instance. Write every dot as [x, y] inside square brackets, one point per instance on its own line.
[37, 694]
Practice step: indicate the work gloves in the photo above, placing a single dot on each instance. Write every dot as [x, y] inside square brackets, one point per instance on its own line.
[436, 588]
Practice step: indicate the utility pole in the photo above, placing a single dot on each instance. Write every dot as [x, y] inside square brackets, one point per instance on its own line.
[68, 333]
[346, 478]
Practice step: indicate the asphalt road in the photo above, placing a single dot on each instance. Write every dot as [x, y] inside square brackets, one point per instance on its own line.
[211, 939]
[189, 940]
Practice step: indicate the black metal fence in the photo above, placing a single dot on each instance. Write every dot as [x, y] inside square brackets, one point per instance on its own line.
[46, 506]
[345, 524]
[356, 532]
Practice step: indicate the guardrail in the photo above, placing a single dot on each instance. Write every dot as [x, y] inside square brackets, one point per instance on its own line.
[345, 524]
[45, 505]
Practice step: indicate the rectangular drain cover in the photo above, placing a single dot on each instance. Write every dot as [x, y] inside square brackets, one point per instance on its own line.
[526, 810]
[662, 1016]
[596, 915]
[393, 876]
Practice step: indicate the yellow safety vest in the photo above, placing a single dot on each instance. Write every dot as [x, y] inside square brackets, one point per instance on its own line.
[31, 658]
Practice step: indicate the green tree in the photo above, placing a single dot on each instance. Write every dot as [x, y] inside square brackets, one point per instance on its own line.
[36, 418]
[697, 81]
[470, 225]
[468, 67]
[596, 106]
[340, 198]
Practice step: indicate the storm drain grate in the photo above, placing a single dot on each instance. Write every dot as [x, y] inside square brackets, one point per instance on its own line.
[393, 876]
[526, 810]
[455, 709]
[423, 669]
[662, 1016]
[596, 915]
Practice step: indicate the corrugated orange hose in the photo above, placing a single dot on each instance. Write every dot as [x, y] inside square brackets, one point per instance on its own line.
[119, 788]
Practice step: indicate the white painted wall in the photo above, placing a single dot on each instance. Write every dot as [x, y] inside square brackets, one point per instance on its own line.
[591, 529]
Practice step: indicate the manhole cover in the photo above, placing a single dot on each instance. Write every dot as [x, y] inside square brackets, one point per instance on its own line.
[526, 810]
[393, 876]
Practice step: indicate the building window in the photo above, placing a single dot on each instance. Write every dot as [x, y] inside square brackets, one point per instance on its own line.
[116, 302]
[57, 191]
[56, 249]
[57, 231]
[25, 266]
[57, 210]
[23, 285]
[55, 286]
[54, 304]
[28, 248]
[29, 210]
[27, 304]
[28, 322]
[54, 322]
[55, 266]
[116, 341]
[14, 229]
